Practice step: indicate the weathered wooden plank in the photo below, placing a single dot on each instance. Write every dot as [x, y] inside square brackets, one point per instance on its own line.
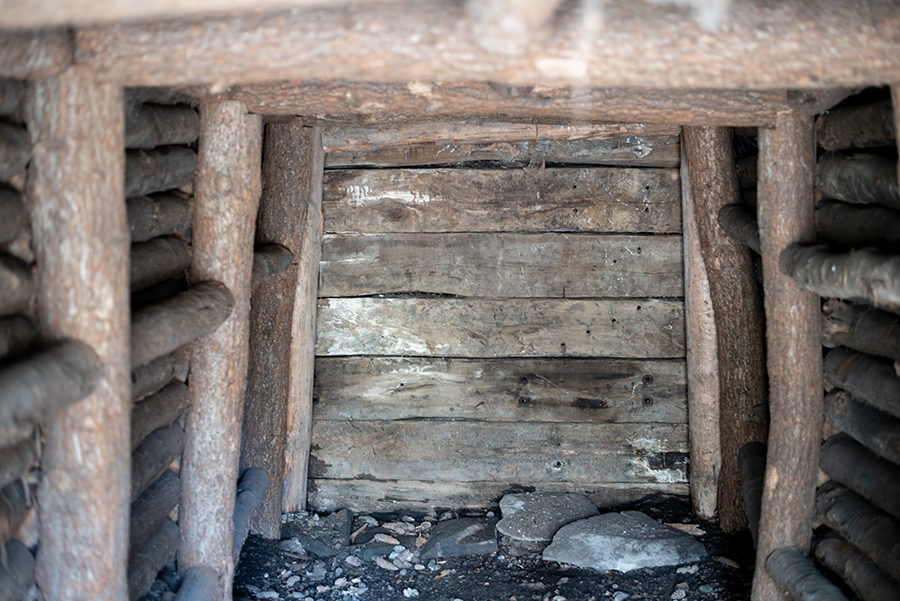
[795, 572]
[35, 54]
[859, 469]
[491, 328]
[867, 378]
[540, 390]
[451, 200]
[865, 578]
[455, 451]
[860, 126]
[393, 495]
[502, 265]
[635, 151]
[859, 226]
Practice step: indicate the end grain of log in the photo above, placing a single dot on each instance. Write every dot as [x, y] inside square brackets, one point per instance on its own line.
[859, 226]
[162, 328]
[156, 553]
[859, 178]
[12, 93]
[158, 260]
[16, 460]
[152, 376]
[270, 259]
[157, 411]
[795, 572]
[861, 327]
[866, 579]
[867, 378]
[752, 459]
[151, 508]
[861, 126]
[152, 125]
[874, 429]
[17, 576]
[153, 456]
[846, 461]
[35, 388]
[160, 214]
[15, 150]
[17, 335]
[13, 216]
[197, 584]
[250, 494]
[16, 286]
[164, 168]
[740, 222]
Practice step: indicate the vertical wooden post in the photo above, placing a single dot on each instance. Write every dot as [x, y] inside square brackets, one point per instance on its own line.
[77, 200]
[292, 171]
[737, 310]
[702, 363]
[303, 348]
[226, 200]
[786, 213]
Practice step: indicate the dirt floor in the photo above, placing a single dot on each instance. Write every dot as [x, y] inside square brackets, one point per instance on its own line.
[266, 571]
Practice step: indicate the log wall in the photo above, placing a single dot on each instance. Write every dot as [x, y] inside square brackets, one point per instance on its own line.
[496, 327]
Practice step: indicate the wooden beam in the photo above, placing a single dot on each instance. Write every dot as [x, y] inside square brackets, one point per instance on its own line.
[867, 378]
[158, 260]
[874, 429]
[861, 327]
[159, 549]
[150, 509]
[796, 574]
[843, 46]
[158, 169]
[739, 221]
[251, 491]
[159, 215]
[158, 411]
[197, 584]
[860, 126]
[81, 241]
[226, 201]
[862, 471]
[866, 579]
[35, 54]
[786, 215]
[150, 125]
[154, 455]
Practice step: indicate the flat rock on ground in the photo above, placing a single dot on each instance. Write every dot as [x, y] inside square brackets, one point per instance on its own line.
[462, 536]
[531, 519]
[323, 537]
[622, 541]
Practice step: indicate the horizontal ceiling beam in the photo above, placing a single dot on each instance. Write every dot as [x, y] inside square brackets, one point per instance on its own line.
[32, 54]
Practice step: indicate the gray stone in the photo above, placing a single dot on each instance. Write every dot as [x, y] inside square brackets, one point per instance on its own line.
[459, 537]
[372, 549]
[531, 519]
[622, 541]
[322, 537]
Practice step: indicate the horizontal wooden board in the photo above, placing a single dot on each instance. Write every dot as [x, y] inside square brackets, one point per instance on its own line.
[502, 265]
[599, 199]
[456, 451]
[644, 151]
[363, 496]
[453, 327]
[542, 390]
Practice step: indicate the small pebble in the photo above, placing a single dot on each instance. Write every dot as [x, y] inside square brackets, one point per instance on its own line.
[410, 593]
[707, 588]
[386, 538]
[384, 564]
[418, 567]
[688, 569]
[679, 593]
[322, 588]
[620, 596]
[338, 572]
[728, 562]
[368, 520]
[353, 561]
[292, 580]
[340, 582]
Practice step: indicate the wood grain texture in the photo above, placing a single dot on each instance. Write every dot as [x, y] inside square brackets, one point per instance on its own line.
[862, 328]
[35, 53]
[451, 200]
[158, 260]
[518, 390]
[859, 178]
[226, 201]
[81, 241]
[795, 573]
[867, 378]
[150, 125]
[874, 429]
[860, 126]
[863, 577]
[158, 411]
[859, 226]
[154, 456]
[862, 471]
[159, 215]
[451, 327]
[786, 215]
[502, 265]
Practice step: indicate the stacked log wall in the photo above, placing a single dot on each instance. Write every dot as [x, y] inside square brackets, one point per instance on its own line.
[507, 326]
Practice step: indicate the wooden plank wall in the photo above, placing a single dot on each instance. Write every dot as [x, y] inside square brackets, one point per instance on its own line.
[485, 329]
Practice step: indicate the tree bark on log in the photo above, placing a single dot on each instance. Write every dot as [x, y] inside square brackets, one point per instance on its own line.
[865, 377]
[740, 222]
[17, 336]
[702, 363]
[154, 456]
[36, 389]
[861, 126]
[150, 509]
[786, 215]
[81, 242]
[736, 306]
[268, 260]
[156, 553]
[17, 576]
[859, 469]
[151, 125]
[16, 286]
[160, 329]
[869, 529]
[12, 94]
[16, 460]
[859, 178]
[158, 170]
[859, 275]
[859, 226]
[13, 216]
[251, 491]
[162, 214]
[158, 260]
[862, 328]
[866, 579]
[153, 375]
[875, 429]
[15, 151]
[197, 584]
[226, 203]
[752, 459]
[794, 572]
[157, 411]
[14, 506]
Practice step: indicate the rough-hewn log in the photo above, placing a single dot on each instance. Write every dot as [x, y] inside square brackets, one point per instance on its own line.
[157, 170]
[150, 125]
[13, 216]
[157, 411]
[865, 578]
[81, 242]
[156, 553]
[871, 530]
[16, 459]
[16, 286]
[867, 378]
[159, 215]
[702, 363]
[14, 506]
[157, 293]
[862, 328]
[15, 151]
[197, 584]
[752, 459]
[810, 103]
[226, 200]
[35, 389]
[251, 491]
[268, 260]
[860, 275]
[17, 335]
[859, 178]
[794, 335]
[860, 126]
[158, 260]
[864, 472]
[859, 226]
[153, 456]
[35, 54]
[303, 347]
[17, 576]
[734, 293]
[795, 572]
[153, 375]
[12, 94]
[160, 329]
[150, 509]
[873, 428]
[844, 47]
[740, 222]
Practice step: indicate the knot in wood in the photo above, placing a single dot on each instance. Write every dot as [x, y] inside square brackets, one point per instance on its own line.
[223, 183]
